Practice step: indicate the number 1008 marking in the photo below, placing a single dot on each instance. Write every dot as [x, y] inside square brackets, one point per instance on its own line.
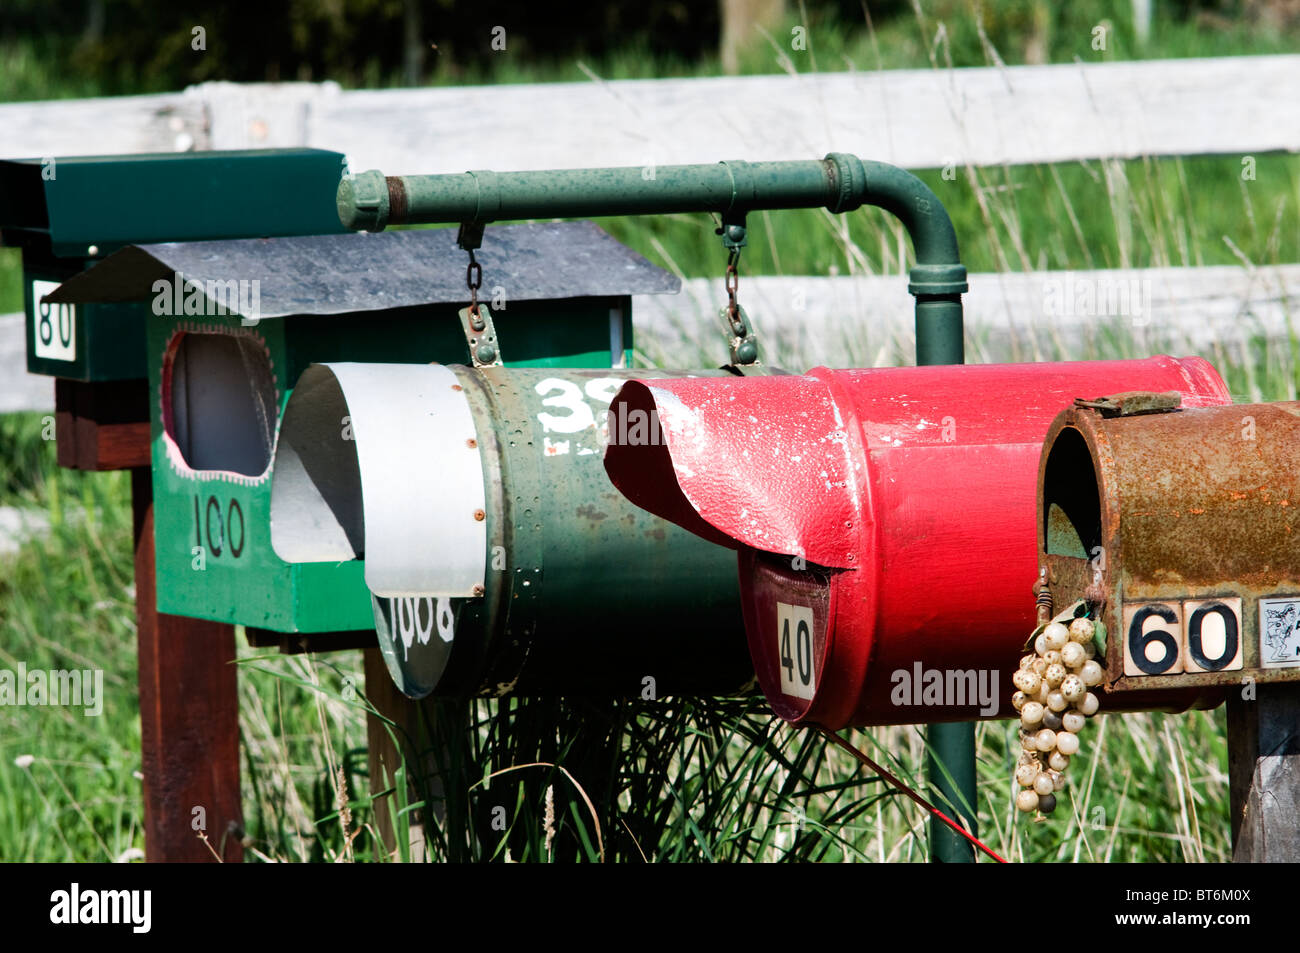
[794, 628]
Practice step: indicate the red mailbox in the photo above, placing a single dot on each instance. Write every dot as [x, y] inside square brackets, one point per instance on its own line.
[885, 519]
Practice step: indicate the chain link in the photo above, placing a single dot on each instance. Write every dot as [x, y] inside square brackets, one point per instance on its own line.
[732, 282]
[474, 281]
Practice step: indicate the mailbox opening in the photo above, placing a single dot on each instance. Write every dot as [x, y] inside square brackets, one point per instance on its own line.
[1071, 501]
[316, 508]
[219, 403]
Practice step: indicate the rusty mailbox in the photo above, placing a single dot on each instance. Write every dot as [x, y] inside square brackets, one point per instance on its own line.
[1178, 527]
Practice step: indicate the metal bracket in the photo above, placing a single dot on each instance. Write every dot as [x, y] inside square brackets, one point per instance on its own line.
[470, 235]
[733, 234]
[481, 335]
[742, 343]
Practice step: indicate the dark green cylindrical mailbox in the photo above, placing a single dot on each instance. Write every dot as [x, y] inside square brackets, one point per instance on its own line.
[1180, 529]
[499, 556]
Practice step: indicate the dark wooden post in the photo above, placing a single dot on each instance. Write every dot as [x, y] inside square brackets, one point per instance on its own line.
[1264, 773]
[189, 716]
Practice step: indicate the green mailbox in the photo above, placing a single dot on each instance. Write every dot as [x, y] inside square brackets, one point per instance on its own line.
[228, 327]
[65, 213]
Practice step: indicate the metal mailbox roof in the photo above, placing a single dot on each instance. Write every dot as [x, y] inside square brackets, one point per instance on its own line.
[112, 201]
[336, 274]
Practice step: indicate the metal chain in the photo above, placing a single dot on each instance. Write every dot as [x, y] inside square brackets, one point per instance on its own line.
[732, 282]
[474, 281]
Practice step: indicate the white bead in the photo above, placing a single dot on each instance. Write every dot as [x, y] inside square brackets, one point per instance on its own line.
[1091, 673]
[1073, 689]
[1072, 656]
[1029, 742]
[1066, 743]
[1027, 775]
[1043, 692]
[1057, 762]
[1039, 666]
[1090, 704]
[1040, 644]
[1043, 784]
[1047, 803]
[1051, 657]
[1055, 674]
[1056, 701]
[1027, 682]
[1018, 700]
[1031, 715]
[1073, 720]
[1027, 800]
[1046, 740]
[1058, 779]
[1081, 630]
[1055, 636]
[1028, 661]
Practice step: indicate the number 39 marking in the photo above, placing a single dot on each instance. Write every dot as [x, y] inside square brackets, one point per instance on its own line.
[794, 646]
[567, 396]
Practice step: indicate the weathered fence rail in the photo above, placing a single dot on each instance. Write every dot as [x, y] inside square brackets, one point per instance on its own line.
[911, 118]
[857, 321]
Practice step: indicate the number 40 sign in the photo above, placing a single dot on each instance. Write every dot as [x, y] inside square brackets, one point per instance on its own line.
[794, 636]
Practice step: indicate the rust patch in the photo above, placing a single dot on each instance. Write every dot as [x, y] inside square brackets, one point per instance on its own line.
[591, 513]
[396, 199]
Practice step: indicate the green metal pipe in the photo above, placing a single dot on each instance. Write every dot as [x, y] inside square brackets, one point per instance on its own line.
[950, 761]
[841, 183]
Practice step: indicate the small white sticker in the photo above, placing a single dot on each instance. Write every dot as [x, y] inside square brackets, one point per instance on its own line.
[54, 326]
[1279, 632]
[794, 650]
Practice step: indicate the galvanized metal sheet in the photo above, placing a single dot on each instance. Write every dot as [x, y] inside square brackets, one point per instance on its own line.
[381, 462]
[337, 274]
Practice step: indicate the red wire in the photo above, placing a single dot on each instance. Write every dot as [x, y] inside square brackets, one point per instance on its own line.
[910, 793]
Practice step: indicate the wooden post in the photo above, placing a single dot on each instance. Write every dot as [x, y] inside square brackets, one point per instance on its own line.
[189, 716]
[1264, 773]
[384, 756]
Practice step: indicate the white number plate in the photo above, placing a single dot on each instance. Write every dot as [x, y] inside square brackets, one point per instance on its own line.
[54, 326]
[1195, 635]
[794, 647]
